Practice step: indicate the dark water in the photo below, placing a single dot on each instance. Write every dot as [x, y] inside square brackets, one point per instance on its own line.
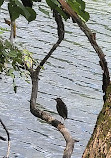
[72, 73]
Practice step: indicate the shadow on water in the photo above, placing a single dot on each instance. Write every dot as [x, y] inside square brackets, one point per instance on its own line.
[72, 73]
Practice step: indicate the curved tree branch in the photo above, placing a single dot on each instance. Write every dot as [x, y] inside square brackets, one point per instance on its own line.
[60, 28]
[99, 144]
[33, 106]
[92, 40]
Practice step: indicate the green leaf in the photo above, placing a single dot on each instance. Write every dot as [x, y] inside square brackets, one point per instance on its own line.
[14, 11]
[62, 13]
[8, 44]
[27, 81]
[11, 70]
[27, 12]
[79, 7]
[1, 32]
[74, 5]
[12, 54]
[16, 8]
[20, 5]
[4, 29]
[32, 14]
[44, 11]
[82, 3]
[1, 2]
[28, 58]
[53, 4]
[84, 16]
[10, 73]
[56, 2]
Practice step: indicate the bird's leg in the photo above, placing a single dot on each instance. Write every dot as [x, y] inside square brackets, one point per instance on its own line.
[62, 120]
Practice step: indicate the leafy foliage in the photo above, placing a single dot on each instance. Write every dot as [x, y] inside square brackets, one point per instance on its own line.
[54, 4]
[9, 54]
[2, 30]
[16, 8]
[28, 60]
[12, 60]
[79, 7]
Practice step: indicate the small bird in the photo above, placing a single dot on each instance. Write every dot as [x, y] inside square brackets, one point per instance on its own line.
[61, 108]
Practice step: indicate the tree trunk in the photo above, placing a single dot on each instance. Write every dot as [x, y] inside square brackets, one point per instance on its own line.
[99, 145]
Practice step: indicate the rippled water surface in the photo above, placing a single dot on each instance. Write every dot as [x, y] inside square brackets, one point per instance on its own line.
[72, 73]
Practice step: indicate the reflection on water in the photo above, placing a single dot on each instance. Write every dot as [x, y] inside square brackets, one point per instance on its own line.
[72, 73]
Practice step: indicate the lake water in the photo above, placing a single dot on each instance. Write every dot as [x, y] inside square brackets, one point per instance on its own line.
[72, 73]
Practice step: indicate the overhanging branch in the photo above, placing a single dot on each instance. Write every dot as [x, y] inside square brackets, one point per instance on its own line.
[92, 40]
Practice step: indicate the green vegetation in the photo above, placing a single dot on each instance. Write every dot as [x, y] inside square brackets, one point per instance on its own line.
[16, 8]
[11, 58]
[14, 60]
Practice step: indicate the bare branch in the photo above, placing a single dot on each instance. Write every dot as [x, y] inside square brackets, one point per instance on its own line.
[60, 28]
[2, 138]
[92, 40]
[57, 124]
[8, 150]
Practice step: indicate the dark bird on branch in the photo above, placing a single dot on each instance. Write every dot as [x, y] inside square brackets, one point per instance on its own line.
[61, 108]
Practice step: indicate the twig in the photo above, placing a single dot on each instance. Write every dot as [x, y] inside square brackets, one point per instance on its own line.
[2, 138]
[8, 150]
[60, 29]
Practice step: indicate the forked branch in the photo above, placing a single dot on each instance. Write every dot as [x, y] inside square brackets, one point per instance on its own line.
[33, 106]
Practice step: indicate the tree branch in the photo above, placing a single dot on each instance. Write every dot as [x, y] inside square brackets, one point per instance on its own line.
[33, 106]
[60, 28]
[2, 138]
[92, 40]
[8, 150]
